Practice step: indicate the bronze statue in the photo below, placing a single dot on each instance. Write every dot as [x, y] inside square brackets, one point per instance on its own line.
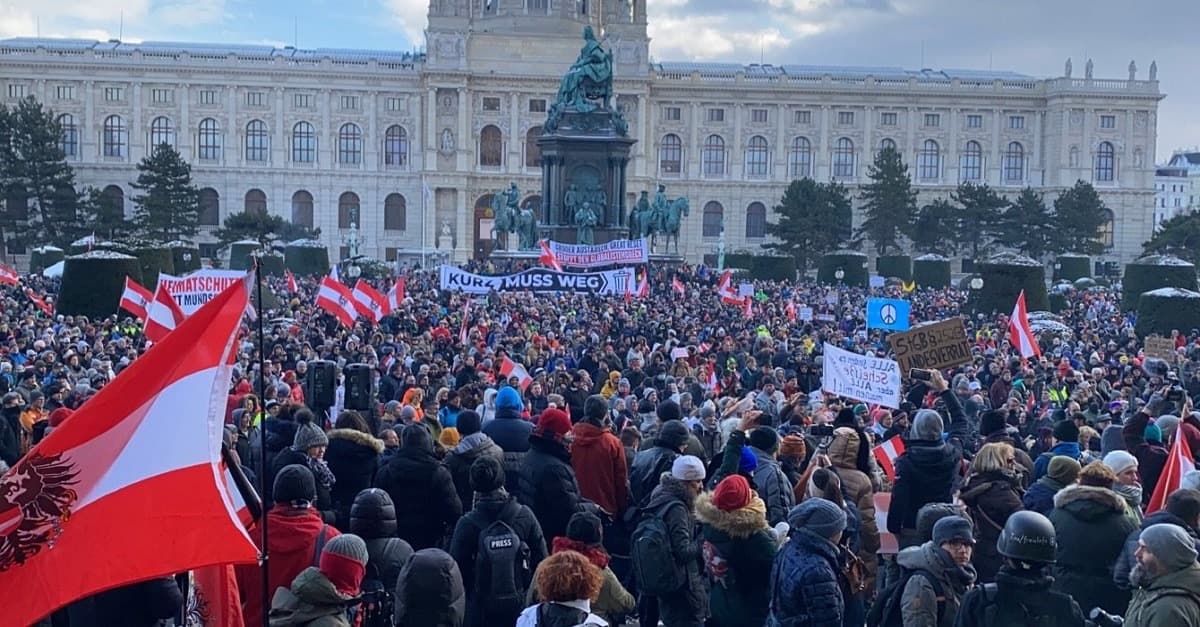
[590, 77]
[526, 228]
[571, 201]
[585, 219]
[639, 218]
[659, 208]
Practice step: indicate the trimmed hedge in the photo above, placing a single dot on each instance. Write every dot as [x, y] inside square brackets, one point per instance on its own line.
[92, 283]
[239, 255]
[184, 257]
[1058, 302]
[306, 259]
[1004, 276]
[1071, 267]
[44, 257]
[1152, 272]
[932, 272]
[853, 263]
[899, 266]
[1163, 310]
[271, 264]
[155, 260]
[764, 267]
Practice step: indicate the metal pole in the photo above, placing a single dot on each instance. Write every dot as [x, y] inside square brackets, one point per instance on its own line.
[262, 445]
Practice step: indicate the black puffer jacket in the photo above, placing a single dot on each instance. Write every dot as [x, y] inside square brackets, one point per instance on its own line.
[134, 605]
[280, 434]
[511, 433]
[1091, 525]
[460, 458]
[427, 505]
[649, 464]
[429, 592]
[353, 457]
[373, 518]
[929, 470]
[547, 485]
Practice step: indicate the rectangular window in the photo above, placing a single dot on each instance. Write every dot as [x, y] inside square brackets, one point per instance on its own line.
[111, 94]
[672, 114]
[845, 118]
[302, 101]
[1016, 122]
[255, 98]
[389, 254]
[974, 121]
[491, 104]
[537, 105]
[888, 118]
[161, 96]
[802, 117]
[393, 104]
[208, 96]
[16, 91]
[1108, 121]
[349, 103]
[758, 116]
[716, 115]
[933, 120]
[64, 92]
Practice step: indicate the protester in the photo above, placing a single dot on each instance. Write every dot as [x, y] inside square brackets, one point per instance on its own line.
[547, 483]
[649, 464]
[1061, 472]
[804, 576]
[739, 548]
[353, 458]
[1181, 509]
[937, 574]
[585, 536]
[568, 583]
[599, 459]
[510, 432]
[373, 518]
[992, 494]
[1166, 579]
[671, 506]
[323, 595]
[769, 480]
[429, 592]
[422, 490]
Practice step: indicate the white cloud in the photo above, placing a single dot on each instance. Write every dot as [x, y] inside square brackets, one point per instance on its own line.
[411, 16]
[101, 19]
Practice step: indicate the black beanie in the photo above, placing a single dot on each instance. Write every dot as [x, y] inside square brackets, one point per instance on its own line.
[594, 409]
[294, 483]
[846, 418]
[645, 407]
[1066, 431]
[991, 421]
[669, 410]
[487, 474]
[764, 439]
[674, 434]
[585, 527]
[468, 422]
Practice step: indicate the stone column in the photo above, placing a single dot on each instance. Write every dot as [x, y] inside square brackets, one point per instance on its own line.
[996, 166]
[779, 159]
[952, 149]
[430, 144]
[280, 141]
[693, 147]
[137, 134]
[515, 162]
[823, 153]
[737, 160]
[464, 144]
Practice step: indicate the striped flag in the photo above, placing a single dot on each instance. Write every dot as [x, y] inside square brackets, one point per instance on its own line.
[1019, 331]
[677, 285]
[548, 258]
[162, 315]
[336, 299]
[39, 302]
[8, 275]
[135, 298]
[790, 310]
[510, 369]
[292, 286]
[464, 332]
[369, 302]
[887, 453]
[1179, 462]
[395, 296]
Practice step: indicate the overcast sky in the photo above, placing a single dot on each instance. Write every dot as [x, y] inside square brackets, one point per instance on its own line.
[1027, 36]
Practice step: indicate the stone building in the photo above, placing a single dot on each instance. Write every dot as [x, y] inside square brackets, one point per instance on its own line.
[410, 147]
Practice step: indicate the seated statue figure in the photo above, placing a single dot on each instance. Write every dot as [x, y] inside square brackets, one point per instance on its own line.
[590, 77]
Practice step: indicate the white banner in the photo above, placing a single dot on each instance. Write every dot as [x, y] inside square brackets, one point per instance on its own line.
[806, 314]
[192, 291]
[618, 252]
[868, 379]
[619, 281]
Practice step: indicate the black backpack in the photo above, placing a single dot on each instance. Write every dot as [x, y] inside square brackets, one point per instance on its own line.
[502, 569]
[888, 609]
[378, 601]
[653, 560]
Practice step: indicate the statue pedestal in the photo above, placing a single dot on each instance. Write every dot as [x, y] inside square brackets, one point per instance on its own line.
[445, 242]
[586, 150]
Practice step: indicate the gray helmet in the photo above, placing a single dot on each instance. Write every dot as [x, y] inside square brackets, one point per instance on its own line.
[1028, 537]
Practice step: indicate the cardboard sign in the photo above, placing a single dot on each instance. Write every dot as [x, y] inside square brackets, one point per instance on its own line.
[934, 346]
[679, 353]
[1161, 348]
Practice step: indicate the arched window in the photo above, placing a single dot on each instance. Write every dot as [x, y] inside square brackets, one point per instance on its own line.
[843, 158]
[113, 198]
[258, 145]
[1107, 231]
[491, 147]
[209, 146]
[210, 207]
[394, 213]
[68, 142]
[162, 131]
[800, 158]
[256, 202]
[970, 164]
[1106, 163]
[395, 146]
[670, 155]
[885, 143]
[929, 161]
[713, 156]
[302, 209]
[348, 210]
[757, 153]
[350, 144]
[304, 143]
[115, 137]
[1014, 163]
[533, 152]
[714, 216]
[756, 221]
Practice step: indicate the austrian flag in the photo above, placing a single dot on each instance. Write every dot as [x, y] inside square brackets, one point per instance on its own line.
[162, 315]
[336, 299]
[510, 369]
[370, 302]
[887, 453]
[135, 299]
[8, 275]
[1020, 334]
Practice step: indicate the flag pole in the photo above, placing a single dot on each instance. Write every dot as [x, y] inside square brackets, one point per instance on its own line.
[262, 441]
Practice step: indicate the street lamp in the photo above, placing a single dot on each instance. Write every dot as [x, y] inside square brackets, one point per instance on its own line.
[976, 283]
[839, 274]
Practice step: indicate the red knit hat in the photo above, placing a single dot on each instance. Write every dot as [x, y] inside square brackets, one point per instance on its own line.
[732, 493]
[554, 423]
[59, 415]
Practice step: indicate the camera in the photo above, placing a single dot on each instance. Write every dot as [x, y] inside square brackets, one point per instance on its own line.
[918, 374]
[1100, 618]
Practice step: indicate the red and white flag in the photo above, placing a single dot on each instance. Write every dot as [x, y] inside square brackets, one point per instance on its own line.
[148, 443]
[8, 275]
[677, 285]
[336, 299]
[790, 310]
[1019, 332]
[464, 332]
[747, 307]
[292, 286]
[39, 302]
[887, 453]
[1179, 462]
[370, 302]
[510, 369]
[548, 258]
[726, 291]
[135, 299]
[395, 296]
[162, 315]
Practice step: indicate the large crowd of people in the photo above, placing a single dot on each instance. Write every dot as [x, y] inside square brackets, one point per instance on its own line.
[634, 483]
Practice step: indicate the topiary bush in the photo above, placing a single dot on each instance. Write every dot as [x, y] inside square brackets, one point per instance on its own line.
[1152, 272]
[931, 271]
[306, 257]
[43, 257]
[92, 283]
[1004, 276]
[1071, 267]
[271, 263]
[763, 267]
[851, 262]
[239, 254]
[1165, 309]
[185, 257]
[899, 266]
[154, 260]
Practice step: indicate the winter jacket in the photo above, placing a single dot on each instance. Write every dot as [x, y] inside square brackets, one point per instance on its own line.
[353, 457]
[1151, 457]
[1067, 449]
[280, 434]
[1040, 496]
[1126, 561]
[324, 502]
[990, 497]
[1170, 600]
[614, 601]
[427, 505]
[294, 538]
[429, 592]
[311, 601]
[772, 486]
[804, 583]
[547, 485]
[10, 443]
[1091, 527]
[738, 551]
[599, 462]
[511, 433]
[560, 615]
[459, 460]
[141, 604]
[689, 606]
[464, 545]
[857, 489]
[373, 518]
[918, 604]
[1021, 599]
[928, 471]
[648, 466]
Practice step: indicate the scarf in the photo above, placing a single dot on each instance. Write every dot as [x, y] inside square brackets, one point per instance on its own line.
[320, 471]
[594, 554]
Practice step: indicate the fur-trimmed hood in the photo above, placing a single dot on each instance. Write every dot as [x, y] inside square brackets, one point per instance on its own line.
[740, 523]
[1088, 502]
[357, 437]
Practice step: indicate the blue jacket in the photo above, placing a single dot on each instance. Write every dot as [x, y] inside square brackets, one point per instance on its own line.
[1042, 463]
[1040, 496]
[804, 584]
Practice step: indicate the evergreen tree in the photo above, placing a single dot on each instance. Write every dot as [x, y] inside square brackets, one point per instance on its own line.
[248, 225]
[36, 169]
[1078, 215]
[814, 218]
[1028, 225]
[889, 202]
[169, 206]
[102, 217]
[1179, 236]
[978, 218]
[935, 229]
[8, 217]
